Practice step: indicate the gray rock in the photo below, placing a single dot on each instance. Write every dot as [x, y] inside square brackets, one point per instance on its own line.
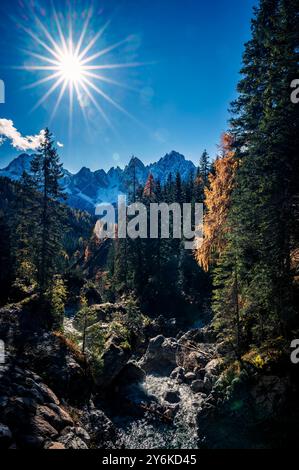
[71, 441]
[198, 386]
[214, 367]
[160, 356]
[131, 373]
[178, 374]
[114, 360]
[190, 376]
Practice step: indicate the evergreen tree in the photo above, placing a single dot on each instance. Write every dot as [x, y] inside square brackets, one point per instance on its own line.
[204, 168]
[47, 173]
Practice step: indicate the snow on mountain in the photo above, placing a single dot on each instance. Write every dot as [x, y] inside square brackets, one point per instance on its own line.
[17, 166]
[87, 188]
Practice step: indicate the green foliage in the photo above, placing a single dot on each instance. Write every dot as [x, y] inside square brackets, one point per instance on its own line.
[160, 273]
[56, 296]
[253, 278]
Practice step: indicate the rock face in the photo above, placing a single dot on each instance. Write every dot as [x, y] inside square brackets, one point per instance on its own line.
[160, 356]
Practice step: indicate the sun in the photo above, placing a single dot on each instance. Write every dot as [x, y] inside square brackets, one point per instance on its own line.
[73, 65]
[71, 68]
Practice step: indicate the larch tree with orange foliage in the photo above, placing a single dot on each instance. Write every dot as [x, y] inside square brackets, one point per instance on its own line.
[217, 203]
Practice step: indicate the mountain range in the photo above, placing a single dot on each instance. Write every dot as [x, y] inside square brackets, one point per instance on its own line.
[87, 188]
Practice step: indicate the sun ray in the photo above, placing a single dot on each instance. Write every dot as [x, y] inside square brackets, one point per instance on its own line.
[104, 51]
[46, 95]
[93, 41]
[41, 81]
[48, 35]
[79, 98]
[74, 66]
[96, 104]
[117, 66]
[41, 57]
[61, 35]
[60, 96]
[39, 41]
[108, 98]
[83, 32]
[102, 78]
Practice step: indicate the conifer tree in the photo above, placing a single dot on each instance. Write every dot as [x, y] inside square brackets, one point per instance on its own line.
[47, 173]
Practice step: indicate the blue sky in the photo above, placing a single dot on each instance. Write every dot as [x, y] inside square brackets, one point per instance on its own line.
[191, 51]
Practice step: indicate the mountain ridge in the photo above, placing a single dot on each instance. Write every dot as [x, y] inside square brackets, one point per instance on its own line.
[87, 188]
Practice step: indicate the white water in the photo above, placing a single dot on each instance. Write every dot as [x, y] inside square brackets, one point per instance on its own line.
[181, 434]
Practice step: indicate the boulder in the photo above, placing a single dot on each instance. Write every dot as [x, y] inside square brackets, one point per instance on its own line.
[114, 360]
[160, 356]
[71, 441]
[41, 428]
[131, 373]
[214, 367]
[54, 415]
[198, 386]
[178, 374]
[190, 376]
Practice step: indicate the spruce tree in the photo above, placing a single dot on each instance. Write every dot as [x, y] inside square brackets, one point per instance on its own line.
[47, 173]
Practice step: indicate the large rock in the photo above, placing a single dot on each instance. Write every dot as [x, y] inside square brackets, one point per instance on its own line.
[71, 441]
[160, 357]
[55, 415]
[113, 361]
[190, 376]
[214, 367]
[198, 386]
[60, 365]
[131, 373]
[178, 374]
[192, 356]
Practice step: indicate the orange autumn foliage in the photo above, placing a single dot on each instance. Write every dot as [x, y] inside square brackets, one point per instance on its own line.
[217, 200]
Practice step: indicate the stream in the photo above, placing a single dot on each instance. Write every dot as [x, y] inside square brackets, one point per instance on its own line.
[146, 433]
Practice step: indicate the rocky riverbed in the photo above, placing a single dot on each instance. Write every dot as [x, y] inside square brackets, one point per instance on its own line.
[176, 394]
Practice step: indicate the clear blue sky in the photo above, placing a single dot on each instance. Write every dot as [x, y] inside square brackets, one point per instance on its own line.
[193, 51]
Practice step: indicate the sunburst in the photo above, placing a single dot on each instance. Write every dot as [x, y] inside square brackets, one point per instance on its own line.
[72, 69]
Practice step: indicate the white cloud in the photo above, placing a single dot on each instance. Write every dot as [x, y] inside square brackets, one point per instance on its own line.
[29, 142]
[59, 144]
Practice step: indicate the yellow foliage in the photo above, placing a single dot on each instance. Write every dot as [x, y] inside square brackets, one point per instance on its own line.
[217, 199]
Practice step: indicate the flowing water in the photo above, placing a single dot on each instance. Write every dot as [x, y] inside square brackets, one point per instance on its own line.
[147, 434]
